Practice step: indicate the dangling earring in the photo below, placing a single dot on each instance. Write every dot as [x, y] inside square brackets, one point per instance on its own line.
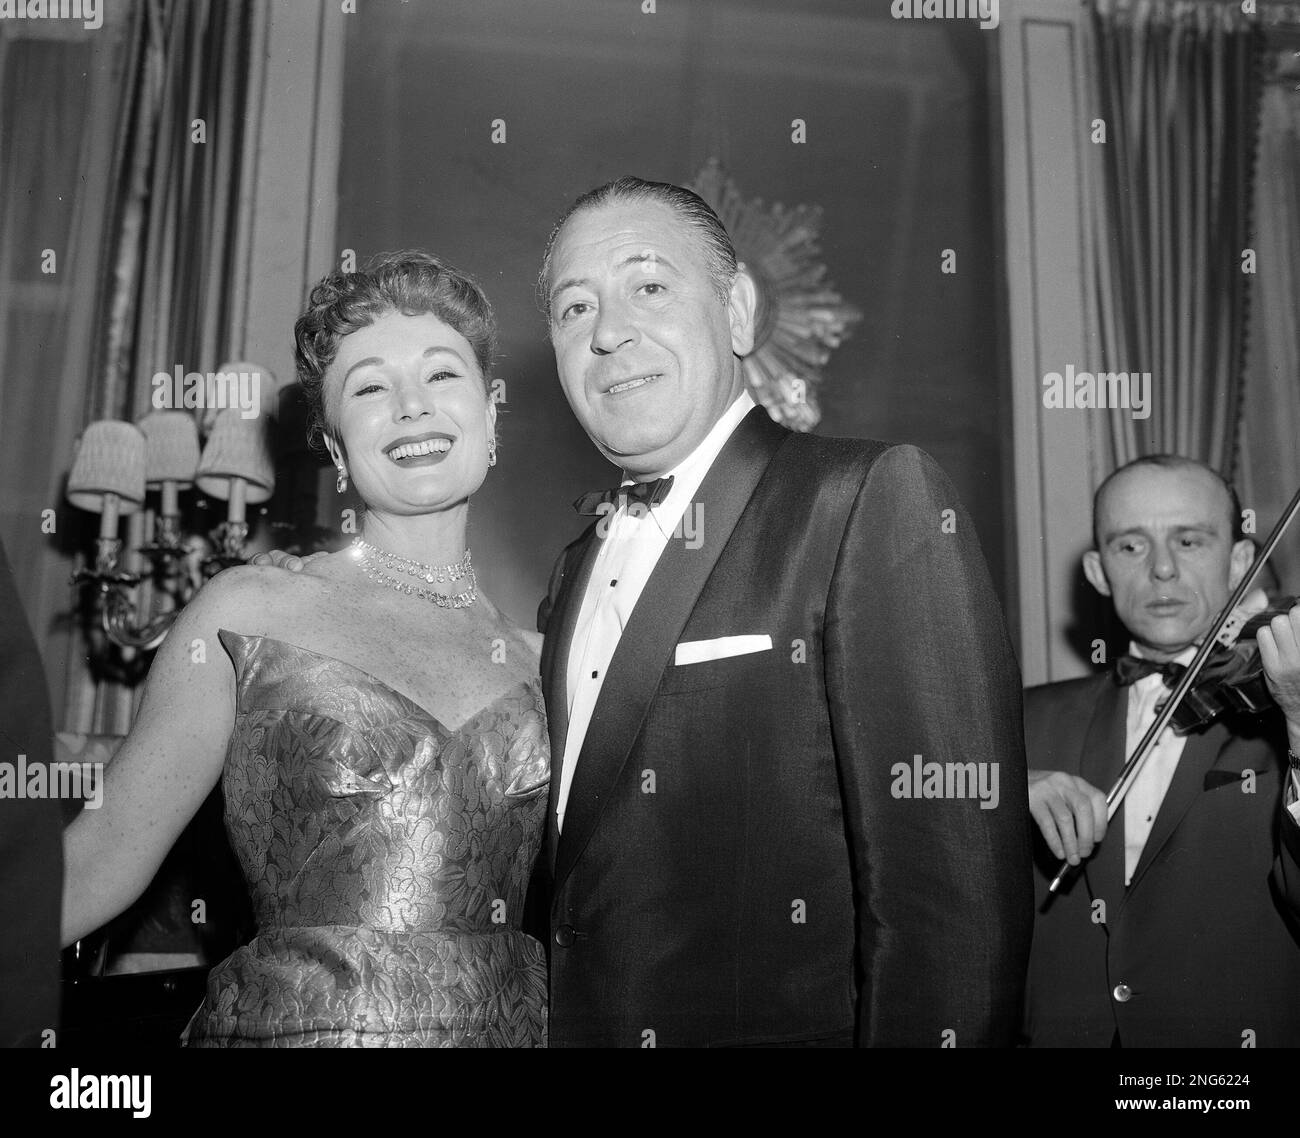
[341, 484]
[492, 452]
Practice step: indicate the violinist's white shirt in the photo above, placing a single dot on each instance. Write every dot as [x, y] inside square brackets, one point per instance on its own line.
[1142, 803]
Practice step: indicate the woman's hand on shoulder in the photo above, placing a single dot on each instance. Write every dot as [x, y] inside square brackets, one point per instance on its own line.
[278, 559]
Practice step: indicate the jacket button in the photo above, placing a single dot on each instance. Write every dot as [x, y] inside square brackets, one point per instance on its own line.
[1123, 993]
[565, 935]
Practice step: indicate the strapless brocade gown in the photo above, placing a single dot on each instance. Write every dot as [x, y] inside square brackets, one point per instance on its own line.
[387, 859]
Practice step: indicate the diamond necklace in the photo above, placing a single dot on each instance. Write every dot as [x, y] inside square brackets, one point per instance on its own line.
[371, 556]
[429, 573]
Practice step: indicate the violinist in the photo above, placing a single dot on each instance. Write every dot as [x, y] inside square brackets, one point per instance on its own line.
[1179, 928]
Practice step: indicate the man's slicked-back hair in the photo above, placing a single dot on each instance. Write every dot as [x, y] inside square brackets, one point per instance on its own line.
[715, 242]
[1170, 462]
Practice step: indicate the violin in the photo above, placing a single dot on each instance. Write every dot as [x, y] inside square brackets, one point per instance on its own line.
[1232, 682]
[1240, 685]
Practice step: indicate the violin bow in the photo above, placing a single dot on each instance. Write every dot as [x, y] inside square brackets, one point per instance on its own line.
[1224, 630]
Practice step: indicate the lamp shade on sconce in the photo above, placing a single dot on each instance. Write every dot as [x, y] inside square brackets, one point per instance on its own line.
[110, 461]
[249, 386]
[237, 448]
[251, 377]
[171, 448]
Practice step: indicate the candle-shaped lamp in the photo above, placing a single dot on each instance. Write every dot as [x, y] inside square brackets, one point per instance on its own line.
[236, 467]
[107, 475]
[171, 456]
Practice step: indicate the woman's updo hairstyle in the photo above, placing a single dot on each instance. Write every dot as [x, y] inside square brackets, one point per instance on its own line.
[411, 282]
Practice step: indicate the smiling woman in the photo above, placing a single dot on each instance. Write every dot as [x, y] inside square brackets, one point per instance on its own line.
[379, 734]
[395, 361]
[408, 282]
[406, 394]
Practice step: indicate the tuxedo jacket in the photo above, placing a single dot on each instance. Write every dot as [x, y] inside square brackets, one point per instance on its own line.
[735, 867]
[31, 839]
[1201, 948]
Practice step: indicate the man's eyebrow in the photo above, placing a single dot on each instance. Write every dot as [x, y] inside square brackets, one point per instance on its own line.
[568, 282]
[433, 350]
[642, 258]
[1142, 531]
[634, 259]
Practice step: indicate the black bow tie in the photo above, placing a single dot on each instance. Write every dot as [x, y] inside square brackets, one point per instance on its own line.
[1129, 669]
[648, 493]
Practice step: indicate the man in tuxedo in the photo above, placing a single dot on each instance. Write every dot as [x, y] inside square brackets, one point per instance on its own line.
[787, 798]
[1180, 928]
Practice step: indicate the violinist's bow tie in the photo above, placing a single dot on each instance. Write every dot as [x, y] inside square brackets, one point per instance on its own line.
[648, 493]
[1129, 669]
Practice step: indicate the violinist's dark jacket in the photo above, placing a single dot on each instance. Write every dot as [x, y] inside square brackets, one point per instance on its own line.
[1202, 948]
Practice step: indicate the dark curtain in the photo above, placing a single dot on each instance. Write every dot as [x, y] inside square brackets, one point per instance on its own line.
[1268, 469]
[1176, 86]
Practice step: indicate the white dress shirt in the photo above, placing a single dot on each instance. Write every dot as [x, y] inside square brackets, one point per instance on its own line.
[1142, 802]
[627, 557]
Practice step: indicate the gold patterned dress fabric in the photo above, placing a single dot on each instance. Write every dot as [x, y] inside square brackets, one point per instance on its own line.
[387, 859]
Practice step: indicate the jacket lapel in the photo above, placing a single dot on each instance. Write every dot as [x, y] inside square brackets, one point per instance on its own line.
[555, 661]
[1200, 753]
[1104, 754]
[646, 647]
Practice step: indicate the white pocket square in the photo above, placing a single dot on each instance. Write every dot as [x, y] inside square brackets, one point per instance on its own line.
[697, 651]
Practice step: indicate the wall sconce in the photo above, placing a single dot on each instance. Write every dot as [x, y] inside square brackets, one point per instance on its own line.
[118, 463]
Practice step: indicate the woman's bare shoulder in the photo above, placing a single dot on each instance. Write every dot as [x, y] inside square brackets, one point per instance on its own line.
[250, 596]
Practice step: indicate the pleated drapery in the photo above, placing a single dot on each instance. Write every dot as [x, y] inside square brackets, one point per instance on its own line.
[178, 238]
[1268, 467]
[184, 153]
[1175, 84]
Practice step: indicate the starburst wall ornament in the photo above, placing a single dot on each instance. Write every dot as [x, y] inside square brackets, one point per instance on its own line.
[801, 317]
